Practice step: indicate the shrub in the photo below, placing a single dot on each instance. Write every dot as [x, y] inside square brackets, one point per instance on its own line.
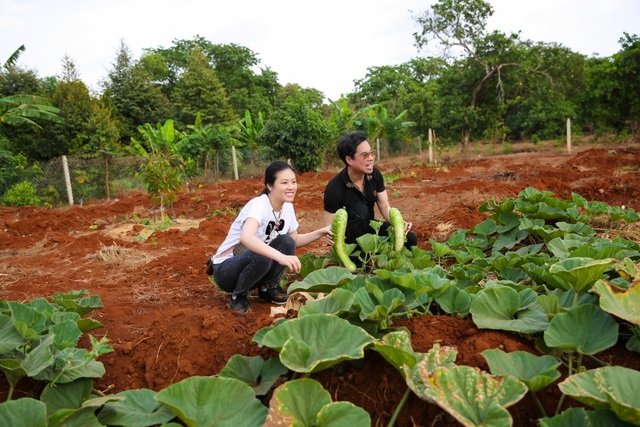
[21, 194]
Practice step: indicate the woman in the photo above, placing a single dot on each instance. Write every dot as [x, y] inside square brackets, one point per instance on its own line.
[262, 242]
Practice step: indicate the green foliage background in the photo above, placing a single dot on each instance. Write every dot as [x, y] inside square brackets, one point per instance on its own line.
[480, 86]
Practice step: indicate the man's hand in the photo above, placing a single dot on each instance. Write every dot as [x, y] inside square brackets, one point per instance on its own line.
[407, 226]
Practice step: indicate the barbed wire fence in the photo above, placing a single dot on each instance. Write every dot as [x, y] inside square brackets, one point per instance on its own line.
[97, 178]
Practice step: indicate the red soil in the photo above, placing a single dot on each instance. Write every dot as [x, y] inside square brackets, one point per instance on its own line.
[167, 321]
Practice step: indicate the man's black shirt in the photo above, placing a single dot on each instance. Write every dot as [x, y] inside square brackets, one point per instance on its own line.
[342, 193]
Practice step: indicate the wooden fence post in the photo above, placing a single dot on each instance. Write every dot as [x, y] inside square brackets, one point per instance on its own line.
[430, 146]
[67, 179]
[569, 136]
[235, 162]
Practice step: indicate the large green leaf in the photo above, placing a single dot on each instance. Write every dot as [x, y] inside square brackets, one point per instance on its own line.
[585, 329]
[485, 228]
[440, 249]
[579, 417]
[501, 307]
[27, 320]
[471, 396]
[454, 301]
[509, 239]
[10, 338]
[581, 273]
[13, 370]
[25, 412]
[40, 358]
[561, 247]
[343, 414]
[66, 334]
[137, 408]
[379, 306]
[78, 301]
[536, 372]
[207, 401]
[254, 371]
[396, 349]
[623, 303]
[71, 405]
[71, 364]
[316, 342]
[304, 402]
[339, 301]
[609, 387]
[324, 280]
[66, 396]
[83, 417]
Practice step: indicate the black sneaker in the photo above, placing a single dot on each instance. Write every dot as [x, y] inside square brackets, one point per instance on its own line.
[275, 295]
[240, 304]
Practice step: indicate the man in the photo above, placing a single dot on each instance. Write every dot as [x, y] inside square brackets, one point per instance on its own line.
[357, 188]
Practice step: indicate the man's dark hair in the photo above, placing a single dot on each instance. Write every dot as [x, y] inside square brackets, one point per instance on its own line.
[348, 144]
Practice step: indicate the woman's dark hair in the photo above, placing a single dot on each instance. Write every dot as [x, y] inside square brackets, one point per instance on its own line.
[271, 172]
[348, 144]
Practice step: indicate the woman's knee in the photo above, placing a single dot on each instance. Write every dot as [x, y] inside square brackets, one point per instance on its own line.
[285, 244]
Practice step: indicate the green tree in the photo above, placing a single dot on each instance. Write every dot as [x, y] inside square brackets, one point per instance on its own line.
[162, 174]
[74, 102]
[627, 63]
[345, 117]
[136, 98]
[460, 28]
[610, 101]
[542, 93]
[234, 65]
[17, 81]
[394, 128]
[297, 132]
[199, 91]
[198, 144]
[17, 108]
[249, 132]
[248, 90]
[411, 86]
[102, 138]
[22, 107]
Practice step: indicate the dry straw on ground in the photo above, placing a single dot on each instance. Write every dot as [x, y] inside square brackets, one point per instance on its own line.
[119, 255]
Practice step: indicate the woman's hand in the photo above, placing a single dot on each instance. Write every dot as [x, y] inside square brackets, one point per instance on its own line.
[327, 234]
[407, 226]
[291, 262]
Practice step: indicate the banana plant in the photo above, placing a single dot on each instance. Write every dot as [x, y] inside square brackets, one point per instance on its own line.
[161, 178]
[249, 129]
[19, 110]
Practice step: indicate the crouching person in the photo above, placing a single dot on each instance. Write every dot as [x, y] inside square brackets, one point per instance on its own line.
[262, 242]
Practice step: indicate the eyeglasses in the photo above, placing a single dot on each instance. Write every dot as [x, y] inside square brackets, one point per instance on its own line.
[366, 154]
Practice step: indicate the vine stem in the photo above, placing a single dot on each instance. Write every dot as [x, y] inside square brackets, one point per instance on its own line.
[539, 404]
[392, 421]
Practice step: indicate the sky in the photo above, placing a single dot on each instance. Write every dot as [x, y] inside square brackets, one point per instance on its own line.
[325, 44]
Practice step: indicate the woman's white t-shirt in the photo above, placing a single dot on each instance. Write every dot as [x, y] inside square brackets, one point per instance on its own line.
[260, 209]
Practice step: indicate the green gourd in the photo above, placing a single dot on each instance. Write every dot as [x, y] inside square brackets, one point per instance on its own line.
[399, 232]
[339, 228]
